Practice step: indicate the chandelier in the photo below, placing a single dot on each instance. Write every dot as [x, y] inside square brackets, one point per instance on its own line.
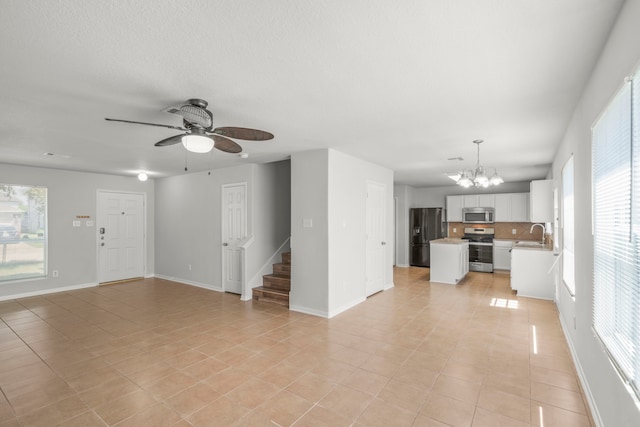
[478, 177]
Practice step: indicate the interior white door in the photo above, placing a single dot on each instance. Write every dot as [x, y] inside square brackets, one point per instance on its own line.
[120, 226]
[234, 230]
[376, 237]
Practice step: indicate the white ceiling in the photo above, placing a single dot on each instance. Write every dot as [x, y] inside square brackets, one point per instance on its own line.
[403, 84]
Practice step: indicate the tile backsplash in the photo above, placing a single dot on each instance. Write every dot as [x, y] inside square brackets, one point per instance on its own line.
[503, 230]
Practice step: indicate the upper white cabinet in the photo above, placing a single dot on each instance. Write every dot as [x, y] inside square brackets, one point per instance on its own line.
[454, 208]
[520, 207]
[503, 208]
[478, 201]
[541, 201]
[512, 207]
[509, 207]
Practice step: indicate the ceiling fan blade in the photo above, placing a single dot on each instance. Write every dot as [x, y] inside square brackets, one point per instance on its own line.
[244, 133]
[169, 141]
[148, 124]
[225, 144]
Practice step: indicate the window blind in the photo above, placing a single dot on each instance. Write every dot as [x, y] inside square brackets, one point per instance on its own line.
[616, 221]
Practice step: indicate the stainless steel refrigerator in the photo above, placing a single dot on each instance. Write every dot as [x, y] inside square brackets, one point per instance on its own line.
[425, 225]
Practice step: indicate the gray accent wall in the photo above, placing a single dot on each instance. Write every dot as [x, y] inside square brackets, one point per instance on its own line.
[612, 402]
[73, 251]
[189, 214]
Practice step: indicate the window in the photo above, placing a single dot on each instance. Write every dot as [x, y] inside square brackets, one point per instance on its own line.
[616, 229]
[568, 272]
[23, 232]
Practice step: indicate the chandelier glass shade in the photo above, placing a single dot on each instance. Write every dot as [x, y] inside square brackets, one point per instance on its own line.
[479, 177]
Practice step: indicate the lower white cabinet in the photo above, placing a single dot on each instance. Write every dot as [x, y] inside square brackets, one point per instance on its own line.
[502, 254]
[449, 260]
[531, 272]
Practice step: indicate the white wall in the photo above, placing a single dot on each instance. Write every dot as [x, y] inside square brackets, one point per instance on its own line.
[189, 214]
[73, 250]
[348, 178]
[404, 195]
[613, 404]
[328, 271]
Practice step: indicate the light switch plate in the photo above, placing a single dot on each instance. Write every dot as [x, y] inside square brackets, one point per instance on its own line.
[89, 223]
[76, 223]
[307, 223]
[513, 231]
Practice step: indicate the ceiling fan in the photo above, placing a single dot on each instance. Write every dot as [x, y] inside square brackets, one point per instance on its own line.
[200, 136]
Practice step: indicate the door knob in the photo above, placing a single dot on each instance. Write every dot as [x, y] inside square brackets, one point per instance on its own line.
[225, 244]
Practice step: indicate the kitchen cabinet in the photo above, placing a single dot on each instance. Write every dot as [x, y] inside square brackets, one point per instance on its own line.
[454, 208]
[541, 201]
[478, 201]
[449, 260]
[502, 254]
[520, 207]
[511, 207]
[532, 273]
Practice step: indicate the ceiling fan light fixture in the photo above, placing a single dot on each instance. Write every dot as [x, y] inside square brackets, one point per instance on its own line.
[197, 143]
[477, 177]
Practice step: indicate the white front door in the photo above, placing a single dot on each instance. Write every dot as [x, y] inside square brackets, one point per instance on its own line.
[376, 237]
[234, 230]
[120, 226]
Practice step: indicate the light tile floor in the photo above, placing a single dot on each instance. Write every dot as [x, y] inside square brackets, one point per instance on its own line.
[157, 353]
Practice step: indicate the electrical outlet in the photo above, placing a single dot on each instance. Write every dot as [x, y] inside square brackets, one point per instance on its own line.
[455, 230]
[54, 273]
[189, 267]
[513, 231]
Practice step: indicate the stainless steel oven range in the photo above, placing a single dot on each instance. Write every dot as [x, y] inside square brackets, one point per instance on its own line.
[480, 248]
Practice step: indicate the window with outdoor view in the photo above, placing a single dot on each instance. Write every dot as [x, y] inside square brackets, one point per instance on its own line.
[23, 232]
[616, 231]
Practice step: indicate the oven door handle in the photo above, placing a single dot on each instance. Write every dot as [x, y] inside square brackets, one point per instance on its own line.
[480, 244]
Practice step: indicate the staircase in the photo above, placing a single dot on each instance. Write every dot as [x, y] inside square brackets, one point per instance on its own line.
[276, 286]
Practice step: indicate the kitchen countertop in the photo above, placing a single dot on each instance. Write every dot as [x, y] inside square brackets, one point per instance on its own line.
[530, 245]
[450, 241]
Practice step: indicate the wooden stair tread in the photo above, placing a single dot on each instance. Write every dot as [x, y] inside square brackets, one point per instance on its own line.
[276, 286]
[276, 296]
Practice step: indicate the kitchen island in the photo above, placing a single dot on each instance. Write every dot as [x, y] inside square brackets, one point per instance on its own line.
[449, 260]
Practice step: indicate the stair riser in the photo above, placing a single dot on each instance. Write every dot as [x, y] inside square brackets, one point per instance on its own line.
[276, 283]
[260, 295]
[286, 258]
[282, 269]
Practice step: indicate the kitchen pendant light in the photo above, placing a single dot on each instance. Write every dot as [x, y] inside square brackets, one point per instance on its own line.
[478, 177]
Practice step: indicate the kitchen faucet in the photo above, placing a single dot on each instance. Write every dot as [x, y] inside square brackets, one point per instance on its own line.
[544, 229]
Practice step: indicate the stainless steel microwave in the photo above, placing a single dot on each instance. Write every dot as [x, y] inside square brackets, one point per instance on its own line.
[478, 215]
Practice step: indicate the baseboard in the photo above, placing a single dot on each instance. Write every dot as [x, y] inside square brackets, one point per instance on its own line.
[403, 265]
[346, 307]
[583, 382]
[191, 283]
[47, 291]
[389, 286]
[307, 310]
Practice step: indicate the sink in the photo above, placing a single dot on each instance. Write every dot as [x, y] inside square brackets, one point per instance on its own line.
[528, 244]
